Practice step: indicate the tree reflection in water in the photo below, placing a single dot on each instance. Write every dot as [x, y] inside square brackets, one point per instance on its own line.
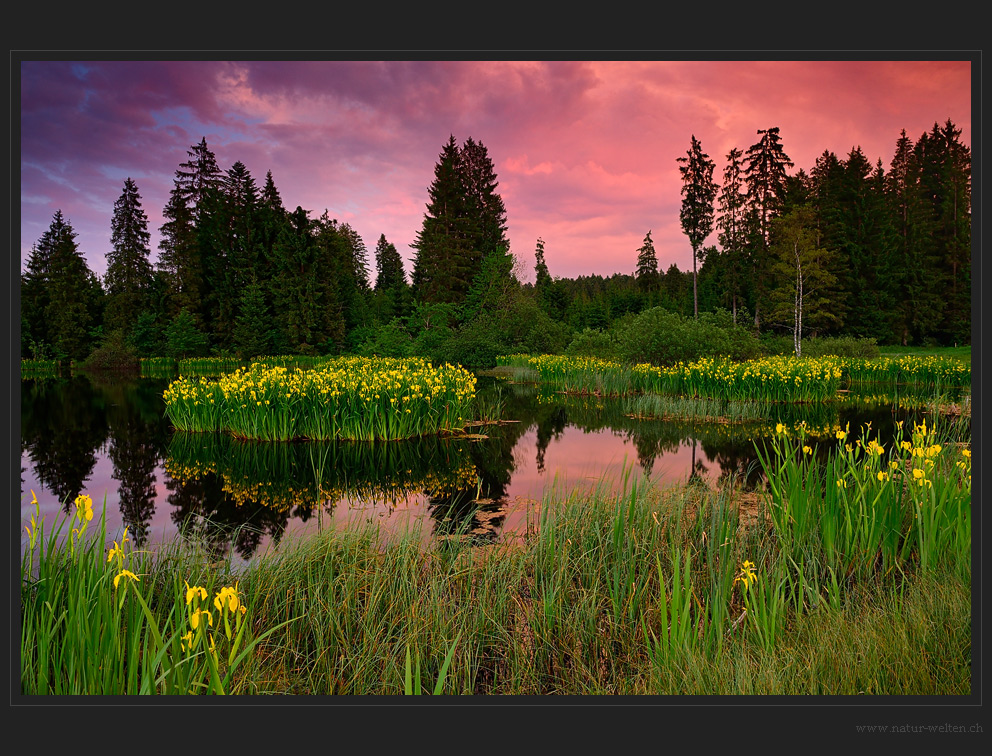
[241, 497]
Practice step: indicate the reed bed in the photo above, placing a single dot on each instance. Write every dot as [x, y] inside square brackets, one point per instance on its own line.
[573, 375]
[33, 368]
[649, 406]
[354, 398]
[624, 589]
[157, 367]
[771, 379]
[930, 372]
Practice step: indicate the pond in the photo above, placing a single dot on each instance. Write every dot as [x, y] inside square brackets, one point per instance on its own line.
[109, 438]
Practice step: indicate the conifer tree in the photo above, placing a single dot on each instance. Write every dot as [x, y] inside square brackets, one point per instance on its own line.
[388, 265]
[765, 166]
[647, 265]
[698, 193]
[69, 283]
[465, 220]
[129, 272]
[253, 329]
[732, 221]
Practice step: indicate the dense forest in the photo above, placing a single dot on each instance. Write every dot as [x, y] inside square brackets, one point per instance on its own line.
[849, 249]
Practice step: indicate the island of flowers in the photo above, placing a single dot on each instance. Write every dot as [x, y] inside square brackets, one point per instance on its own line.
[355, 398]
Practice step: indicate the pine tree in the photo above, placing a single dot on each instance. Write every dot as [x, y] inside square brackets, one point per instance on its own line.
[388, 265]
[733, 223]
[35, 339]
[764, 174]
[465, 220]
[253, 329]
[129, 272]
[698, 193]
[647, 265]
[179, 258]
[69, 309]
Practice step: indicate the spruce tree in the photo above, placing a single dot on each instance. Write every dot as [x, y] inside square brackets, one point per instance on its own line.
[69, 310]
[732, 222]
[765, 164]
[129, 272]
[465, 221]
[35, 337]
[698, 193]
[253, 329]
[388, 265]
[442, 266]
[647, 265]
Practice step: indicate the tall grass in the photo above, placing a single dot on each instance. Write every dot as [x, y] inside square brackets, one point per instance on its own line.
[622, 590]
[117, 623]
[771, 379]
[915, 371]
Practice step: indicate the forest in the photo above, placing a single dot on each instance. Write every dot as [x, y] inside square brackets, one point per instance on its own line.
[850, 249]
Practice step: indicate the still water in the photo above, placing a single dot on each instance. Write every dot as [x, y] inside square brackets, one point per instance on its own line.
[109, 438]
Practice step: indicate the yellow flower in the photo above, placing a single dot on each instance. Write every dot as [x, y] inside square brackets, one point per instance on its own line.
[114, 552]
[883, 476]
[227, 597]
[779, 428]
[965, 452]
[747, 574]
[918, 473]
[186, 641]
[34, 498]
[127, 574]
[84, 507]
[841, 483]
[194, 619]
[841, 435]
[191, 592]
[807, 450]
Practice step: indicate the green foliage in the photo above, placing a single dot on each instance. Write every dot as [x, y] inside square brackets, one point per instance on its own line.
[183, 338]
[253, 335]
[591, 342]
[841, 346]
[114, 353]
[389, 340]
[664, 338]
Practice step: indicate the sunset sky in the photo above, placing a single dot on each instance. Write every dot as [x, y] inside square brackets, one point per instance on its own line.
[585, 151]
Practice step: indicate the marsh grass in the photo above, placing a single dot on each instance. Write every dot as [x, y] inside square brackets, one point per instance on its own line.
[624, 589]
[704, 409]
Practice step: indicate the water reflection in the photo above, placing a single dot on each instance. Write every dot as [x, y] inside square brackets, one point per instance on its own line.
[84, 435]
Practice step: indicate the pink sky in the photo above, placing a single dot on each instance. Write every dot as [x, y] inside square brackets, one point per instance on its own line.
[585, 151]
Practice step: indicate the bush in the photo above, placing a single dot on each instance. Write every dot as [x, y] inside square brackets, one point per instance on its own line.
[591, 342]
[664, 338]
[115, 353]
[389, 340]
[841, 346]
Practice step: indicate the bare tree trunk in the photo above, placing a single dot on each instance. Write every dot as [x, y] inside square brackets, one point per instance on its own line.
[797, 323]
[695, 294]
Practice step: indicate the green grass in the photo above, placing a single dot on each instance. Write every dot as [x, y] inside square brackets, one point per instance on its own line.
[625, 589]
[959, 352]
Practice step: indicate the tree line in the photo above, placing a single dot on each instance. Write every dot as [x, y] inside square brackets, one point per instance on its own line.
[848, 249]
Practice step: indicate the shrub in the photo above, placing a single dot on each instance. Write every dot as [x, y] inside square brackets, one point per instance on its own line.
[115, 353]
[591, 342]
[841, 346]
[665, 338]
